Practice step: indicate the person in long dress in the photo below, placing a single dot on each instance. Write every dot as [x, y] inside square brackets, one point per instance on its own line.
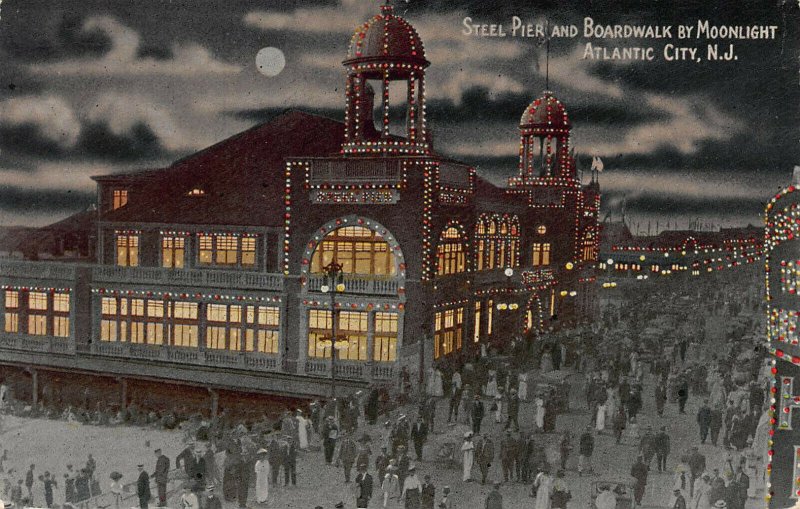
[600, 423]
[491, 385]
[522, 391]
[468, 457]
[546, 365]
[498, 410]
[438, 389]
[612, 403]
[544, 489]
[262, 477]
[302, 430]
[539, 412]
[390, 487]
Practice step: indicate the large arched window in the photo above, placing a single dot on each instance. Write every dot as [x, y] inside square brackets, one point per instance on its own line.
[359, 250]
[497, 241]
[451, 252]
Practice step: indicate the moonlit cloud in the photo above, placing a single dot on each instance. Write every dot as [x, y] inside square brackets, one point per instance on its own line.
[188, 59]
[52, 116]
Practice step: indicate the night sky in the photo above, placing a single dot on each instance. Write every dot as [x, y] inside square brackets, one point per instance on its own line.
[97, 87]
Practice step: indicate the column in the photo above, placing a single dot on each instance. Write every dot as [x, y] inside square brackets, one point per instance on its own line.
[123, 393]
[370, 344]
[35, 386]
[214, 402]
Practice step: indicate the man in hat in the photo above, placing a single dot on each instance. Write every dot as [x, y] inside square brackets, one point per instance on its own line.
[513, 410]
[419, 435]
[478, 412]
[143, 487]
[484, 455]
[445, 502]
[347, 455]
[330, 434]
[403, 463]
[508, 452]
[428, 496]
[161, 476]
[290, 462]
[276, 452]
[412, 489]
[212, 501]
[381, 462]
[186, 458]
[494, 500]
[364, 487]
[639, 472]
[49, 483]
[662, 447]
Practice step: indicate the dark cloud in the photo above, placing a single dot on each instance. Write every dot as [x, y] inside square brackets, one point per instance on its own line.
[263, 115]
[97, 141]
[27, 140]
[50, 36]
[44, 200]
[666, 205]
[155, 52]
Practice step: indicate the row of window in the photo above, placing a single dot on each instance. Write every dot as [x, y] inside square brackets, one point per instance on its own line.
[352, 332]
[37, 313]
[232, 327]
[212, 250]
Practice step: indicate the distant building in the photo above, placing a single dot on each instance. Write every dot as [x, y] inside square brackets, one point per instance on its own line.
[210, 272]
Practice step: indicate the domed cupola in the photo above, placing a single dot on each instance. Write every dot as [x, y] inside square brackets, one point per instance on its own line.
[544, 139]
[385, 88]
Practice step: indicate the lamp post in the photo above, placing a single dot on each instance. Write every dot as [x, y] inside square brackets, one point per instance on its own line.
[333, 283]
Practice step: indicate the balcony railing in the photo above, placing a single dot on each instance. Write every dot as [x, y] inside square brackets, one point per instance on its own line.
[36, 270]
[188, 277]
[30, 343]
[354, 370]
[359, 285]
[215, 358]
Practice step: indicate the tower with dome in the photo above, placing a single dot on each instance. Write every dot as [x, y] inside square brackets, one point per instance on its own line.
[214, 272]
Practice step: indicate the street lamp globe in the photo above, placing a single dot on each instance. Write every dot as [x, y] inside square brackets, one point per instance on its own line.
[325, 289]
[340, 287]
[508, 272]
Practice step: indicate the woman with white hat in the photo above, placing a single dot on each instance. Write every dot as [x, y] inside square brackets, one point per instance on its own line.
[468, 456]
[262, 476]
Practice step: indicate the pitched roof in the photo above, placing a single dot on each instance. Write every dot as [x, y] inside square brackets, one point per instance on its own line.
[242, 177]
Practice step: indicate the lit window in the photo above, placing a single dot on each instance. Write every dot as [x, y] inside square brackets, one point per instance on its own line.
[589, 252]
[127, 250]
[120, 198]
[206, 249]
[489, 316]
[173, 252]
[248, 251]
[11, 315]
[476, 329]
[359, 250]
[497, 239]
[385, 340]
[448, 331]
[450, 252]
[224, 327]
[540, 254]
[227, 249]
[61, 315]
[196, 192]
[37, 313]
[262, 332]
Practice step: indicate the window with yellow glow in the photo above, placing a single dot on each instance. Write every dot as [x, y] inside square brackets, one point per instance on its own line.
[127, 250]
[497, 239]
[541, 229]
[61, 315]
[37, 313]
[173, 252]
[448, 331]
[589, 253]
[540, 254]
[351, 334]
[476, 329]
[224, 327]
[11, 314]
[489, 316]
[385, 340]
[451, 252]
[120, 198]
[226, 250]
[359, 250]
[262, 333]
[319, 333]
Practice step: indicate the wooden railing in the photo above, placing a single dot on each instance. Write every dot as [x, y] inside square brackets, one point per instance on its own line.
[233, 279]
[201, 357]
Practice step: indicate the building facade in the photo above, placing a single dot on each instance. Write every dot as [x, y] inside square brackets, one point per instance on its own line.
[212, 271]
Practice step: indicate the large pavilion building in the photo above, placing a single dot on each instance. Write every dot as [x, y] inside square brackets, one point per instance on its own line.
[211, 273]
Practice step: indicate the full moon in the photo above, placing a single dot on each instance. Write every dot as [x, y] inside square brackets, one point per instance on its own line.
[270, 61]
